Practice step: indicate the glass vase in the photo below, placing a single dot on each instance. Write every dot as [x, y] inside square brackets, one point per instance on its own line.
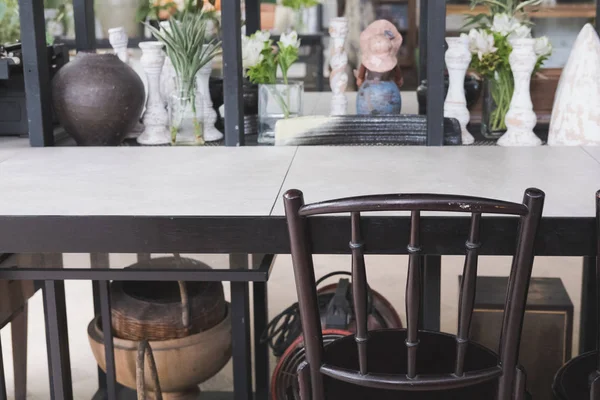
[497, 94]
[186, 115]
[276, 102]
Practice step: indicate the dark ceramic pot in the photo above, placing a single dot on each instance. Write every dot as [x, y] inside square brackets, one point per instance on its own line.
[98, 99]
[472, 92]
[215, 86]
[250, 98]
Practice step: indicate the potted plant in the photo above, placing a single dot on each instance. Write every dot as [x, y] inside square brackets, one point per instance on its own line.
[189, 48]
[490, 44]
[278, 98]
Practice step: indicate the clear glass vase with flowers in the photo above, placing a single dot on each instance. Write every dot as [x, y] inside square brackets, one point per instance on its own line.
[278, 98]
[490, 43]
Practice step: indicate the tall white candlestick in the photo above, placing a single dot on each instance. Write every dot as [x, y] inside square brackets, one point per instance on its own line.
[156, 117]
[520, 118]
[458, 58]
[338, 30]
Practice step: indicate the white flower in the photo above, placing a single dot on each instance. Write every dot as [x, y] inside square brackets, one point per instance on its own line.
[522, 32]
[481, 42]
[251, 49]
[543, 47]
[505, 24]
[290, 39]
[262, 36]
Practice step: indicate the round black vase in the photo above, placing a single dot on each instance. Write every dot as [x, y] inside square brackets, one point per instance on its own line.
[98, 99]
[472, 92]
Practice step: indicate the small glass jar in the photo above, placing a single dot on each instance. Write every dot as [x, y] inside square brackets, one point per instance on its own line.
[186, 115]
[497, 94]
[275, 102]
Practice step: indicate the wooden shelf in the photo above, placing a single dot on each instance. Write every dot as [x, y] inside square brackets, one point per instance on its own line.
[577, 10]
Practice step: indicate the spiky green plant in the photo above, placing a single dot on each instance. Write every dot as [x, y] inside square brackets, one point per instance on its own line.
[189, 48]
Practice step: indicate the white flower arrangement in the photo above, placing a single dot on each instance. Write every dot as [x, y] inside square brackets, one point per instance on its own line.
[261, 61]
[490, 44]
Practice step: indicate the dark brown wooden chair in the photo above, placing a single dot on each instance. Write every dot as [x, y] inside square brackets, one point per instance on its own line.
[411, 363]
[579, 379]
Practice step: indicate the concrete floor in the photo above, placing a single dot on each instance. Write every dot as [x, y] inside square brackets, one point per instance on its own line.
[387, 274]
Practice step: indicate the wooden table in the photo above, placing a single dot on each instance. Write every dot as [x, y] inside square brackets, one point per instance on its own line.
[228, 200]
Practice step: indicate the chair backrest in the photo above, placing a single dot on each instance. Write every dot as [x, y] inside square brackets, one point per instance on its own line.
[509, 375]
[407, 130]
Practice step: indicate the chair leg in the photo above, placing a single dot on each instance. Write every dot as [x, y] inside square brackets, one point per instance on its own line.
[304, 388]
[595, 389]
[520, 384]
[18, 327]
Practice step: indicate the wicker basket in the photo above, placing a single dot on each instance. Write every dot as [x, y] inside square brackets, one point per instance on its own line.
[157, 310]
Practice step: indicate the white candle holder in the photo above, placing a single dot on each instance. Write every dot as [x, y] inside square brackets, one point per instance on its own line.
[211, 133]
[156, 117]
[520, 118]
[117, 37]
[338, 79]
[458, 58]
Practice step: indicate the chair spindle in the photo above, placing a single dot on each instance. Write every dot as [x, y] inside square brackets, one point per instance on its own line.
[413, 294]
[359, 291]
[467, 293]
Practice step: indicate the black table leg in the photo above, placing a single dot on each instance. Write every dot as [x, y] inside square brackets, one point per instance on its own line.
[109, 354]
[588, 326]
[99, 260]
[59, 365]
[240, 327]
[431, 293]
[261, 350]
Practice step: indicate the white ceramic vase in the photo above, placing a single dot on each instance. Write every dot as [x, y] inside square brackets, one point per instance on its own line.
[118, 39]
[520, 118]
[156, 117]
[458, 58]
[575, 116]
[338, 79]
[211, 133]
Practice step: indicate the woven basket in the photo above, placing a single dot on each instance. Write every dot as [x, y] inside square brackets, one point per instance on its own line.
[155, 311]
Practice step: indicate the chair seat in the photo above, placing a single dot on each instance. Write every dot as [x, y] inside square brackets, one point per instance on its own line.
[387, 354]
[572, 381]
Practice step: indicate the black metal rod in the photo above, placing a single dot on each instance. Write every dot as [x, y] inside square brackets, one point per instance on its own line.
[96, 296]
[85, 32]
[436, 31]
[240, 328]
[59, 365]
[588, 322]
[252, 16]
[2, 376]
[261, 349]
[36, 72]
[423, 20]
[137, 274]
[232, 73]
[431, 294]
[109, 353]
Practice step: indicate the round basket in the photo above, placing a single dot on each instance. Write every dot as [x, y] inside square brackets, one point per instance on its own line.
[154, 311]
